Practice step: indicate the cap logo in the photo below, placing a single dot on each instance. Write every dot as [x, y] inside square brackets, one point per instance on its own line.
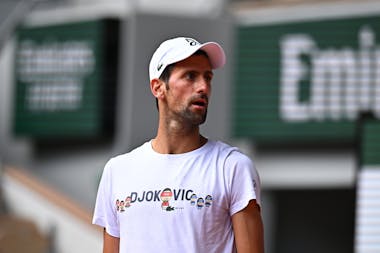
[159, 66]
[192, 42]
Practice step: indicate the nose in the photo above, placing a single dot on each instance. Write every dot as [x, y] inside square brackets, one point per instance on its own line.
[203, 86]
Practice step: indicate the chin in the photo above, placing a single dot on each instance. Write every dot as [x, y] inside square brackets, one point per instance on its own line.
[200, 121]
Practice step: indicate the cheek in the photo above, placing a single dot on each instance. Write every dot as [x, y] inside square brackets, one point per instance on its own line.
[178, 95]
[173, 100]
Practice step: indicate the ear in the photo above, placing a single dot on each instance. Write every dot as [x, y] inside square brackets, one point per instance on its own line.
[157, 88]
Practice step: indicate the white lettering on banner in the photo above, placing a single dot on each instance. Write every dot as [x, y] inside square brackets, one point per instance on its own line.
[343, 82]
[53, 73]
[54, 96]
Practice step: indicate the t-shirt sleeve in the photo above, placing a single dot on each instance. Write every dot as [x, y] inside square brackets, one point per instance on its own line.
[244, 181]
[105, 210]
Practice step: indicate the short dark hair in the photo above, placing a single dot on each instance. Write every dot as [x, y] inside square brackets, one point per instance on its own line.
[165, 75]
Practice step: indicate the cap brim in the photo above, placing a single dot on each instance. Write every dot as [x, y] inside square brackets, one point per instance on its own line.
[215, 53]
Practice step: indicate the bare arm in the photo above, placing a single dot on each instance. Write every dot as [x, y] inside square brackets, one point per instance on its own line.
[110, 243]
[248, 229]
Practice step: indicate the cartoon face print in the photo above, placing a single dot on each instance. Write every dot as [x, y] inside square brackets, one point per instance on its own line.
[122, 206]
[208, 200]
[128, 201]
[165, 196]
[118, 205]
[193, 199]
[200, 203]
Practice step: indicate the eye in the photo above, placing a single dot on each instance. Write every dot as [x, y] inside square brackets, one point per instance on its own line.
[190, 76]
[208, 77]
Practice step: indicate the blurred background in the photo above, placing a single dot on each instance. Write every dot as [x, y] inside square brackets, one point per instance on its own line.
[300, 94]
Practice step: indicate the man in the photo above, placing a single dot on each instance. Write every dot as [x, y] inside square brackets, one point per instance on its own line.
[168, 178]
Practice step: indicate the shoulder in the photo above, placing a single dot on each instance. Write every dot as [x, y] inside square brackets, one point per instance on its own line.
[222, 147]
[230, 157]
[231, 153]
[135, 154]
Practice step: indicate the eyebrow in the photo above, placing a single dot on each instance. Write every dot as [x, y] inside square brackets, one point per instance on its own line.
[197, 71]
[207, 73]
[210, 72]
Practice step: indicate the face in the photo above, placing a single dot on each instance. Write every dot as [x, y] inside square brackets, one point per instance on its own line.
[189, 89]
[166, 195]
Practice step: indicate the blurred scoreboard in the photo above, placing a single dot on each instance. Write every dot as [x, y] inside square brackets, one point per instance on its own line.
[65, 80]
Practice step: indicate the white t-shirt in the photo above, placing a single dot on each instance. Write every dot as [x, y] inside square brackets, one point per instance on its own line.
[175, 202]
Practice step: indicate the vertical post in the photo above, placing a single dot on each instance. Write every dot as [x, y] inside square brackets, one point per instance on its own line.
[367, 220]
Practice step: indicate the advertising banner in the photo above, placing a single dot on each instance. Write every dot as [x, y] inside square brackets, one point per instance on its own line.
[65, 77]
[306, 82]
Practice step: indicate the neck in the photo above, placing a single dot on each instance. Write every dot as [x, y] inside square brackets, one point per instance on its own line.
[173, 138]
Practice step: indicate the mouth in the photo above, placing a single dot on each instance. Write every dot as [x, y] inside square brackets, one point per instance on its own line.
[199, 103]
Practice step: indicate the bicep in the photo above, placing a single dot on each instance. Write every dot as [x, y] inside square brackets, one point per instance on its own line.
[248, 229]
[110, 243]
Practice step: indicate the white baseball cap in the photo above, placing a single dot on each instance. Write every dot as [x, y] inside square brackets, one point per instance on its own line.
[178, 49]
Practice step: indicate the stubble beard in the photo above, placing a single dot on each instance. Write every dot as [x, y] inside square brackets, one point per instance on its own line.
[194, 118]
[187, 118]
